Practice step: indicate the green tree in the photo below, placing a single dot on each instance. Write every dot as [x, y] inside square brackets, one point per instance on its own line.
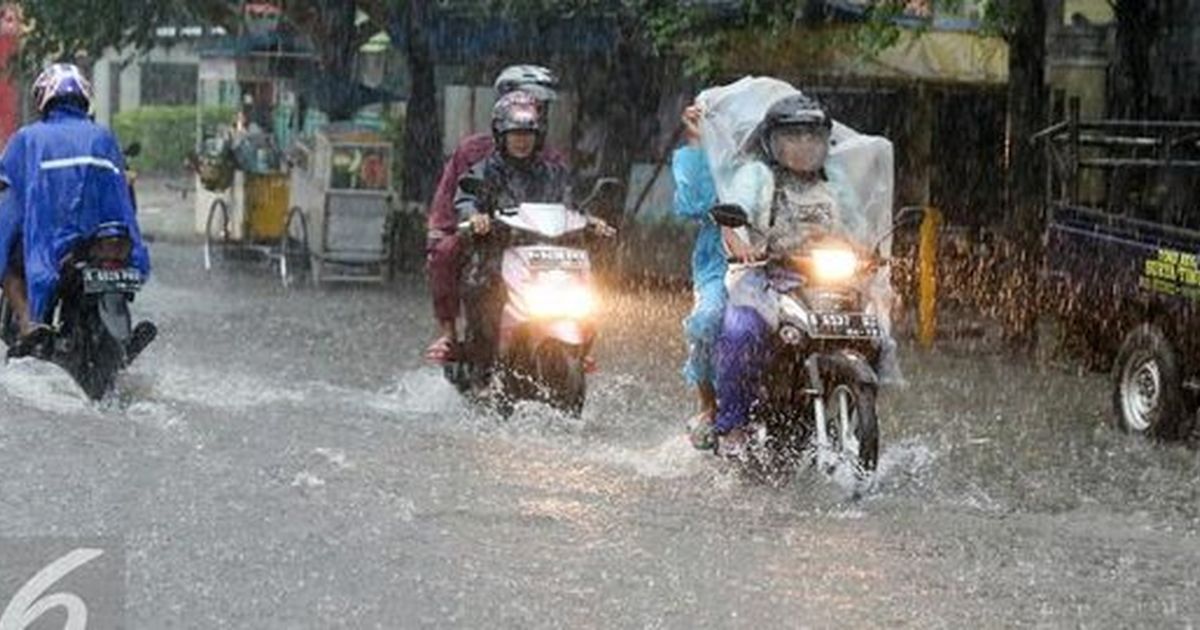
[60, 29]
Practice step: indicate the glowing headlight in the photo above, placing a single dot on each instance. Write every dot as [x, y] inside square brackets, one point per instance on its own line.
[834, 264]
[553, 297]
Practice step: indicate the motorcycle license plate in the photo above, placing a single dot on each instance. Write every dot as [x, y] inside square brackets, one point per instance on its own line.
[556, 258]
[111, 280]
[848, 325]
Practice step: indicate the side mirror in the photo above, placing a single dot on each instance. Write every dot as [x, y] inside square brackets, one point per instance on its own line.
[133, 149]
[911, 215]
[605, 199]
[729, 215]
[606, 187]
[907, 217]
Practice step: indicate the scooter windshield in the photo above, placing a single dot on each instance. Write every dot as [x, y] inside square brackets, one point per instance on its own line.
[551, 220]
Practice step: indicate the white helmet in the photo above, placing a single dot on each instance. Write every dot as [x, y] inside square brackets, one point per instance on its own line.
[536, 80]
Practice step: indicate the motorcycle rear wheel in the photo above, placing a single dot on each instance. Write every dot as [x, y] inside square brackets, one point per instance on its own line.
[98, 369]
[98, 357]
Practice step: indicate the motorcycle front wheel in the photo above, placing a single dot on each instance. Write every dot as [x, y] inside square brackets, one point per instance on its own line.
[852, 421]
[560, 370]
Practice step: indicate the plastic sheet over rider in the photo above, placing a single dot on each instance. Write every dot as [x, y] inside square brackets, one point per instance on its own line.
[859, 169]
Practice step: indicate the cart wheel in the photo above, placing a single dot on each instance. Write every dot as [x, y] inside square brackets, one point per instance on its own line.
[295, 261]
[216, 235]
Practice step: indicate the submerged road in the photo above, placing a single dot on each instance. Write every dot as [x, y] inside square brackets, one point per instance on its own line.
[285, 460]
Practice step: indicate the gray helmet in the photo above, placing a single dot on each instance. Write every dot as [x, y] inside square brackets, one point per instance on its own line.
[536, 80]
[795, 111]
[517, 111]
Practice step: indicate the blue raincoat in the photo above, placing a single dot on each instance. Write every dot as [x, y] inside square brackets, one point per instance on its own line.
[694, 195]
[66, 178]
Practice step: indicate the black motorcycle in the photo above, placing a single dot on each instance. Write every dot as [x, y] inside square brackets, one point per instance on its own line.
[90, 329]
[819, 388]
[90, 334]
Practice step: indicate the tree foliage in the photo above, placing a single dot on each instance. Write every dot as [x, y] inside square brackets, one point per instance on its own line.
[695, 33]
[61, 29]
[64, 29]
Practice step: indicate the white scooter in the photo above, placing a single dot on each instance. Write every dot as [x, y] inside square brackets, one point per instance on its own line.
[547, 326]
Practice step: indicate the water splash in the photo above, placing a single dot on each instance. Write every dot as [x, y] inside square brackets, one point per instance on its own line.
[223, 389]
[673, 458]
[419, 391]
[44, 386]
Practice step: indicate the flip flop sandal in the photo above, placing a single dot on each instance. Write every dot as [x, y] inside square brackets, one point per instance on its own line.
[440, 351]
[732, 445]
[701, 432]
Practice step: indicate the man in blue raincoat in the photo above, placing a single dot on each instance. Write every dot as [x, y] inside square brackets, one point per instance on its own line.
[64, 177]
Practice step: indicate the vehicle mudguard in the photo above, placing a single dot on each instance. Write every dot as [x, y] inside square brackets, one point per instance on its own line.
[852, 362]
[114, 313]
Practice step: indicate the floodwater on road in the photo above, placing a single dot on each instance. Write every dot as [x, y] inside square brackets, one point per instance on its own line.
[284, 459]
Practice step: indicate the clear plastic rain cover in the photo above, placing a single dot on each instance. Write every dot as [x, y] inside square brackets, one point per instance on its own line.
[861, 162]
[859, 168]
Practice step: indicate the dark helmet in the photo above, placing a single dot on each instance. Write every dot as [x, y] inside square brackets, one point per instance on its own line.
[790, 112]
[516, 111]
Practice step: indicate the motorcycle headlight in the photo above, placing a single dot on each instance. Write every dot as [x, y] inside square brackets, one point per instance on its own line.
[559, 296]
[831, 265]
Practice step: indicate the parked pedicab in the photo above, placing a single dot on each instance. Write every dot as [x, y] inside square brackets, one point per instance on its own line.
[341, 182]
[248, 220]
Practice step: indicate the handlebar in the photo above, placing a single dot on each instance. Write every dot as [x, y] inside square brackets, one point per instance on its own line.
[865, 263]
[465, 228]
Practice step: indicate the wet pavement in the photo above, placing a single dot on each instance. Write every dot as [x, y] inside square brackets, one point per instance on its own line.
[284, 459]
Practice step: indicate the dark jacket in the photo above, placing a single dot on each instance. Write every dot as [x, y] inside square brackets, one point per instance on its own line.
[496, 183]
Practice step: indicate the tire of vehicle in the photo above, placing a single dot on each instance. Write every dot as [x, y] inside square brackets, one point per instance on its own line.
[216, 235]
[560, 369]
[863, 420]
[294, 259]
[99, 361]
[8, 327]
[1148, 396]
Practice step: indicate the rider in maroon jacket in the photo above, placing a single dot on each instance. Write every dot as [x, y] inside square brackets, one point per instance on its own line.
[443, 250]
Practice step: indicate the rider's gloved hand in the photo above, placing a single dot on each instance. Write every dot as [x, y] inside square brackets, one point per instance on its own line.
[481, 223]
